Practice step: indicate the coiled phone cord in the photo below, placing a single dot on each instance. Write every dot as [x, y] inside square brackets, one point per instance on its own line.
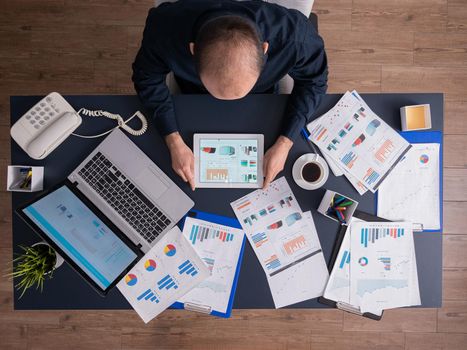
[121, 122]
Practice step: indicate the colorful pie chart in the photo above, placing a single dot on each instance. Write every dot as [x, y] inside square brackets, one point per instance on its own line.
[170, 250]
[131, 279]
[424, 159]
[150, 265]
[363, 261]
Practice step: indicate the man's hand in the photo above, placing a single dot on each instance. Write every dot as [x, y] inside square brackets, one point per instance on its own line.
[182, 158]
[275, 158]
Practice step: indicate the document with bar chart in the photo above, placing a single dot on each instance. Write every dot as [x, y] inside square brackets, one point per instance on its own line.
[359, 142]
[281, 236]
[219, 246]
[383, 268]
[167, 272]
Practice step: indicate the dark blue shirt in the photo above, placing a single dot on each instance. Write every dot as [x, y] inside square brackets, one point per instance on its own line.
[295, 48]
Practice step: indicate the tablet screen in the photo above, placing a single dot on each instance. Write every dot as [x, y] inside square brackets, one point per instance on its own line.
[81, 235]
[228, 161]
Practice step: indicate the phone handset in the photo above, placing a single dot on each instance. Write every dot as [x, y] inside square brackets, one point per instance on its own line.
[121, 122]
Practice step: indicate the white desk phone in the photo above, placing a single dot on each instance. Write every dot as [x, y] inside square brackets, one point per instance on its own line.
[48, 123]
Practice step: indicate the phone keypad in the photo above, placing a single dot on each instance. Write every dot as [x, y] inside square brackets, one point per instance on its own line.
[42, 113]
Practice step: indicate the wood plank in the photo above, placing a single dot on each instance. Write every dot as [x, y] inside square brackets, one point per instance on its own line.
[450, 81]
[365, 47]
[80, 338]
[363, 78]
[398, 320]
[452, 317]
[439, 341]
[455, 220]
[454, 155]
[129, 13]
[14, 337]
[446, 49]
[455, 184]
[101, 42]
[457, 16]
[288, 320]
[405, 15]
[333, 15]
[454, 117]
[454, 250]
[455, 283]
[357, 340]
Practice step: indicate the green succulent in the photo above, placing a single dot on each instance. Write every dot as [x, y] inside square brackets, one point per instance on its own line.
[33, 266]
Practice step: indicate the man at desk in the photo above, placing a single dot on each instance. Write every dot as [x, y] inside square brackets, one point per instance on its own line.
[229, 49]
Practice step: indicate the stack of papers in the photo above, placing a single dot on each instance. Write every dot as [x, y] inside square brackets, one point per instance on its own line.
[219, 247]
[167, 272]
[285, 242]
[412, 191]
[376, 267]
[357, 143]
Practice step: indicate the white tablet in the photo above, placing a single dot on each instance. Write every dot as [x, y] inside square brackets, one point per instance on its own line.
[228, 160]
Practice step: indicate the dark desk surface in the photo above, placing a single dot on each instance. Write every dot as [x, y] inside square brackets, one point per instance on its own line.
[253, 114]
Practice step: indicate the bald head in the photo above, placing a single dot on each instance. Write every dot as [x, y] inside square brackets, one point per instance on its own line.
[229, 56]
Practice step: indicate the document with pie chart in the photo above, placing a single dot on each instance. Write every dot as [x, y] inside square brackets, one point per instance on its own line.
[412, 191]
[167, 272]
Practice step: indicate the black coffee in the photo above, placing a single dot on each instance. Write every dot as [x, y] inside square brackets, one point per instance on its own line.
[311, 172]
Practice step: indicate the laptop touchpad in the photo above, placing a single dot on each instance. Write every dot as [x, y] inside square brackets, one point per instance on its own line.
[151, 184]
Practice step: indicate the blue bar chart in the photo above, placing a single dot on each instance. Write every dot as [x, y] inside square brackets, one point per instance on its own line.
[187, 268]
[370, 235]
[259, 239]
[345, 259]
[167, 282]
[201, 233]
[149, 295]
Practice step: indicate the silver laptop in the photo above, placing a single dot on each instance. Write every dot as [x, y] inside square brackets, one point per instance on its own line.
[137, 196]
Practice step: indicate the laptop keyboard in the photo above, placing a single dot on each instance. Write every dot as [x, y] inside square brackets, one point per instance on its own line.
[123, 196]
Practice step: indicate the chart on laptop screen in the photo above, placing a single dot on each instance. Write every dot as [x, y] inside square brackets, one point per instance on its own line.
[228, 161]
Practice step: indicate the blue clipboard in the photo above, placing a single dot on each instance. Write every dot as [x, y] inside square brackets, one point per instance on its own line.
[427, 137]
[221, 220]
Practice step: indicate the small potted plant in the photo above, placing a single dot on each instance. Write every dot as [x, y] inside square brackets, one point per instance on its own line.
[34, 265]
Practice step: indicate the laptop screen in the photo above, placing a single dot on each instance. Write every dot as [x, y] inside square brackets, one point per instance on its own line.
[85, 238]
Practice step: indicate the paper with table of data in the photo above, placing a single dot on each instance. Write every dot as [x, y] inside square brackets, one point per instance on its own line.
[285, 242]
[169, 270]
[219, 247]
[359, 141]
[411, 192]
[382, 266]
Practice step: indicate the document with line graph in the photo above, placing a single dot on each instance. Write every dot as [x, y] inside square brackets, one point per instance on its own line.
[284, 240]
[358, 141]
[169, 270]
[383, 266]
[219, 246]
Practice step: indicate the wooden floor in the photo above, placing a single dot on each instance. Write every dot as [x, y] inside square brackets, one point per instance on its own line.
[84, 47]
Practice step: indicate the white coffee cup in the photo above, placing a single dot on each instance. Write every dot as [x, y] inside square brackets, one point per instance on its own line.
[310, 171]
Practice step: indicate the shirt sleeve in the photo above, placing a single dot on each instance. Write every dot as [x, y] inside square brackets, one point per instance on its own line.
[310, 75]
[149, 78]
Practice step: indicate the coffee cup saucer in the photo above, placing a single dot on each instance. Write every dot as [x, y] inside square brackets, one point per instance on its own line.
[300, 162]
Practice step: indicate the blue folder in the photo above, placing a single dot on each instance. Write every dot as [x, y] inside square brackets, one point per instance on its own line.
[428, 137]
[221, 220]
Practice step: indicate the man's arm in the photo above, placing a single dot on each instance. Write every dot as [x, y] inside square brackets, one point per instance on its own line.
[149, 74]
[310, 76]
[310, 84]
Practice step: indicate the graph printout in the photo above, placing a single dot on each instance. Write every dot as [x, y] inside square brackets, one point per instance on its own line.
[228, 161]
[358, 141]
[219, 247]
[411, 191]
[169, 270]
[285, 242]
[382, 266]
